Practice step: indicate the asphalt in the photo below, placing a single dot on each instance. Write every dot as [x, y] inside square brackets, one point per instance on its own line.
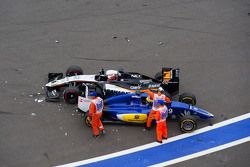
[207, 40]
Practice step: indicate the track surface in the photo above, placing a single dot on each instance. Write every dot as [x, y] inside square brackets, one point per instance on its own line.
[208, 40]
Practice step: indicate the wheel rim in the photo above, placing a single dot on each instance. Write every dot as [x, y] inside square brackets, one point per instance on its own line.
[88, 121]
[71, 97]
[188, 125]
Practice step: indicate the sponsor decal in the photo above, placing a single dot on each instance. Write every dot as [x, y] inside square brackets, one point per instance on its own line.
[145, 81]
[137, 117]
[167, 76]
[135, 87]
[185, 112]
[134, 118]
[154, 85]
[135, 75]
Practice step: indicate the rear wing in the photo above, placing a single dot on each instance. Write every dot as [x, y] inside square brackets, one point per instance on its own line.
[170, 80]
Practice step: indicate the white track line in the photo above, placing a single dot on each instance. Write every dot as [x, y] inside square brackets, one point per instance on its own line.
[150, 145]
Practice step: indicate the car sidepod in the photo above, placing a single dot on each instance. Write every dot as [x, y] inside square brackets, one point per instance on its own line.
[126, 108]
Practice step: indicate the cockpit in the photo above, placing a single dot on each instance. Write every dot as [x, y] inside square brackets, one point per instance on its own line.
[112, 75]
[139, 99]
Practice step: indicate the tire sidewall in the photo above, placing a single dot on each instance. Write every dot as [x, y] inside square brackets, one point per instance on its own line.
[69, 91]
[188, 124]
[85, 120]
[187, 98]
[74, 70]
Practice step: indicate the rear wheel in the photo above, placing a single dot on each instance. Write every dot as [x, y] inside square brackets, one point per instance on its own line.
[74, 70]
[188, 98]
[71, 94]
[168, 95]
[188, 124]
[158, 76]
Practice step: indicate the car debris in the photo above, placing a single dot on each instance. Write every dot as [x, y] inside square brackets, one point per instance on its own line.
[126, 38]
[33, 114]
[160, 43]
[39, 100]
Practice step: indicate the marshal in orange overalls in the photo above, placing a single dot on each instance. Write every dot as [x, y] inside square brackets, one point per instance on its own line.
[95, 111]
[161, 126]
[155, 97]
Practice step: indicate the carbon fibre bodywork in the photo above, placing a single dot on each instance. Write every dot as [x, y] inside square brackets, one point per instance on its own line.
[126, 82]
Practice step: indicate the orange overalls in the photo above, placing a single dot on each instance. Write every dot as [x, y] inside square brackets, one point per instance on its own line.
[95, 111]
[155, 97]
[161, 126]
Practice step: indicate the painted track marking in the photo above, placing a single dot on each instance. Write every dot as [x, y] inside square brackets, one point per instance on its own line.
[206, 141]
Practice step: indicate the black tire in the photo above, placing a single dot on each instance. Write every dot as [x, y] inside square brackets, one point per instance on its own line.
[158, 76]
[74, 70]
[87, 120]
[168, 95]
[188, 124]
[188, 98]
[71, 94]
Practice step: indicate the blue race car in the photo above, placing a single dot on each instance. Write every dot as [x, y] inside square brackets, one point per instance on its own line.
[135, 108]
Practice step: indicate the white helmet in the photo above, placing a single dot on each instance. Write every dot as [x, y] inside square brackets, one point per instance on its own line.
[112, 74]
[160, 89]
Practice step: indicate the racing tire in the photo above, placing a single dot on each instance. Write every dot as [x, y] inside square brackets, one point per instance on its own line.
[87, 120]
[187, 98]
[158, 76]
[74, 70]
[168, 95]
[188, 124]
[71, 94]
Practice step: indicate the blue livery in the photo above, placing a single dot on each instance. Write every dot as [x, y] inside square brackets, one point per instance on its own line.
[134, 108]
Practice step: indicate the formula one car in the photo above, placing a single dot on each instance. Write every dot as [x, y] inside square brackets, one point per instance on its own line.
[135, 108]
[108, 83]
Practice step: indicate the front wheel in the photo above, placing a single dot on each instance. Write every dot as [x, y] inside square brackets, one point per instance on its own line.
[158, 76]
[87, 120]
[188, 124]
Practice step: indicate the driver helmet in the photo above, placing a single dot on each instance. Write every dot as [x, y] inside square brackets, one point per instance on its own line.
[112, 74]
[160, 89]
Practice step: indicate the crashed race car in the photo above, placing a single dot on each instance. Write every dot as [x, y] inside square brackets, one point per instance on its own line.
[135, 107]
[108, 83]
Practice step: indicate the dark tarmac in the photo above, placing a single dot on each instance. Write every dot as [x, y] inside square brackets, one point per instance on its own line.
[208, 40]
